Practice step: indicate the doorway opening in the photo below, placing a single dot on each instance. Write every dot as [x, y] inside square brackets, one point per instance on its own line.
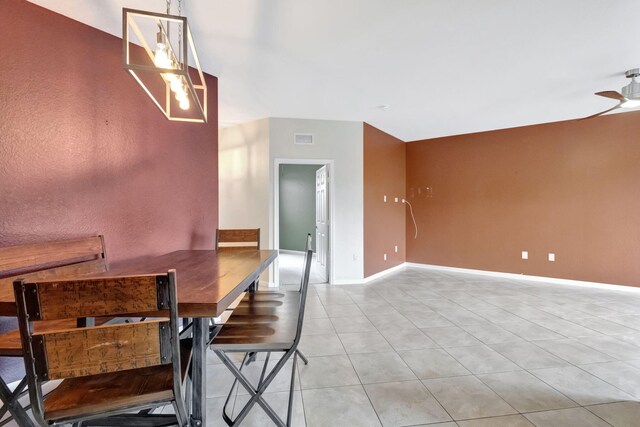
[302, 204]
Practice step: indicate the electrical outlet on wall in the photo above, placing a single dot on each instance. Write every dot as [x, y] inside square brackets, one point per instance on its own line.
[525, 255]
[396, 248]
[552, 257]
[385, 257]
[384, 199]
[395, 200]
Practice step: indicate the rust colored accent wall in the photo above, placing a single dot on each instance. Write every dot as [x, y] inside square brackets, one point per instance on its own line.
[571, 188]
[84, 151]
[384, 223]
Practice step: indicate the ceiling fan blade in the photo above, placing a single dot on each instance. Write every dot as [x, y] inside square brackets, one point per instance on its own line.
[612, 94]
[602, 112]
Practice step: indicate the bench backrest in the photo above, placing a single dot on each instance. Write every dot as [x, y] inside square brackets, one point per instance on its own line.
[50, 261]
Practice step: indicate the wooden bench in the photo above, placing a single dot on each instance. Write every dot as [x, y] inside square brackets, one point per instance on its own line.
[40, 261]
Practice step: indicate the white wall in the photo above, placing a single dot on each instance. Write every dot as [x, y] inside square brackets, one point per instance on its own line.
[243, 164]
[246, 175]
[341, 142]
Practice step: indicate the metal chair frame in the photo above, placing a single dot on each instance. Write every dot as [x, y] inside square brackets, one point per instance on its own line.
[167, 298]
[256, 393]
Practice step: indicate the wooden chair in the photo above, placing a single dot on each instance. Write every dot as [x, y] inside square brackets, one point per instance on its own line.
[235, 239]
[238, 239]
[110, 370]
[269, 328]
[46, 260]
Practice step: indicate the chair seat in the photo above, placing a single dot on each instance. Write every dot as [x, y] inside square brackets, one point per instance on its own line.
[256, 327]
[75, 397]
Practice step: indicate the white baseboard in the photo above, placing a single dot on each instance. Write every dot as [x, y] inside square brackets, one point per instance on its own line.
[372, 277]
[550, 280]
[384, 272]
[288, 251]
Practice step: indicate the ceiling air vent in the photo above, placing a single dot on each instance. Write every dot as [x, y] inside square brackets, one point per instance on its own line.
[303, 138]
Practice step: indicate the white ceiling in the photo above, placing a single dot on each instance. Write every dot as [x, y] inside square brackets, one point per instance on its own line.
[445, 67]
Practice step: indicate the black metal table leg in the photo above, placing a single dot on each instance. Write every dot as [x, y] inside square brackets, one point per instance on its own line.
[199, 367]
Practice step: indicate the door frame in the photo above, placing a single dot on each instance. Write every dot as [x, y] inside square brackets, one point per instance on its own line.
[275, 238]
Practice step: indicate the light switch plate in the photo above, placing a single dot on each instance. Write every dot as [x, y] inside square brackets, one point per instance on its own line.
[525, 255]
[552, 257]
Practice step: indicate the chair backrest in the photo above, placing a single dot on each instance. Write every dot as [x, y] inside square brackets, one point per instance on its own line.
[103, 349]
[238, 239]
[304, 288]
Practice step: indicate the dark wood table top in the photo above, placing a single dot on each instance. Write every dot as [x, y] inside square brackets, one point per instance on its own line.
[207, 281]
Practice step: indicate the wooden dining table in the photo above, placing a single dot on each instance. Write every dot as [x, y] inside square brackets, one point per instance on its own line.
[208, 282]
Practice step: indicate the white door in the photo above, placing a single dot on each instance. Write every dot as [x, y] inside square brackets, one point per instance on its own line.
[322, 221]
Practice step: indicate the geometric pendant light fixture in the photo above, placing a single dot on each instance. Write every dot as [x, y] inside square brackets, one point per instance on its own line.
[157, 50]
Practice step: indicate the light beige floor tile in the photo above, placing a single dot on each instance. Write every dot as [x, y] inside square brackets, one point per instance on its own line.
[391, 321]
[620, 414]
[620, 374]
[219, 380]
[580, 386]
[321, 345]
[408, 339]
[604, 326]
[364, 342]
[433, 363]
[214, 411]
[281, 382]
[573, 351]
[525, 392]
[343, 310]
[327, 371]
[496, 315]
[530, 331]
[279, 402]
[453, 336]
[482, 359]
[451, 424]
[491, 334]
[459, 316]
[528, 355]
[566, 417]
[613, 346]
[318, 327]
[506, 421]
[467, 397]
[426, 319]
[405, 403]
[349, 324]
[376, 309]
[381, 367]
[339, 406]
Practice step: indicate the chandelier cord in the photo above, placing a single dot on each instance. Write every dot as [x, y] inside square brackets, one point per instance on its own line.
[179, 32]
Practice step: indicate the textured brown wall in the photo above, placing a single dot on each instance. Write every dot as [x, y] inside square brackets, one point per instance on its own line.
[571, 188]
[384, 223]
[84, 151]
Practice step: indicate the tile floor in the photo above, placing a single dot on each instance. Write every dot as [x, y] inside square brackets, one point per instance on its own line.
[424, 347]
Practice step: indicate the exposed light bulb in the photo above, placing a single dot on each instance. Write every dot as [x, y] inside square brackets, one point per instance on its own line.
[184, 103]
[161, 57]
[181, 94]
[175, 83]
